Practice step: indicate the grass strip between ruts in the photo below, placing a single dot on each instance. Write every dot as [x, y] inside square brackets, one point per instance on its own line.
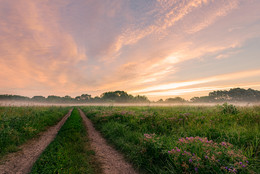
[69, 152]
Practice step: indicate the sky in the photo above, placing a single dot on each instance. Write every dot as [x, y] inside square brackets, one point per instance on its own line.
[157, 48]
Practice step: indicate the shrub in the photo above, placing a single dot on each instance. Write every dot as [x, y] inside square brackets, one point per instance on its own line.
[229, 109]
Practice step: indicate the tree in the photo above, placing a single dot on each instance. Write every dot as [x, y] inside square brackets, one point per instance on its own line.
[233, 95]
[38, 98]
[13, 97]
[175, 100]
[117, 96]
[219, 95]
[203, 99]
[141, 99]
[160, 101]
[54, 99]
[86, 97]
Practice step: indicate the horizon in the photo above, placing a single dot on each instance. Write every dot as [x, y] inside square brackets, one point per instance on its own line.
[157, 48]
[244, 100]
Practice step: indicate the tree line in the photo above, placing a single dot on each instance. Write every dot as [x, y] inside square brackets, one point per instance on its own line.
[115, 96]
[232, 95]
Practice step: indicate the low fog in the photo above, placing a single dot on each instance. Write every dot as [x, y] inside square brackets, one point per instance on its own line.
[29, 103]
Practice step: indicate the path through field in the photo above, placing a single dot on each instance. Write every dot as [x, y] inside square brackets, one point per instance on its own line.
[112, 162]
[22, 161]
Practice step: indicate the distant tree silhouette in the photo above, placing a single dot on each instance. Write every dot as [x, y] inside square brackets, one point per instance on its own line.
[13, 97]
[117, 96]
[122, 96]
[84, 98]
[38, 98]
[54, 99]
[175, 100]
[160, 101]
[140, 99]
[233, 95]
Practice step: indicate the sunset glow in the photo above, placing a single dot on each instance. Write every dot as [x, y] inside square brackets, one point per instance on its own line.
[157, 48]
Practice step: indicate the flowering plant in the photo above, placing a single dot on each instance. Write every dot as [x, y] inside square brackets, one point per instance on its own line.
[197, 154]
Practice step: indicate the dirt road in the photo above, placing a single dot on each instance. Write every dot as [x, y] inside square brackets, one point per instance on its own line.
[112, 161]
[22, 161]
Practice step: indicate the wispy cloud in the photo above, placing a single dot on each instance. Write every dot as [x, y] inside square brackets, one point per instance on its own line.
[194, 91]
[170, 86]
[34, 48]
[167, 13]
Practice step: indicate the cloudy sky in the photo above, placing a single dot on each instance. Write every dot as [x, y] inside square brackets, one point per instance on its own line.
[157, 48]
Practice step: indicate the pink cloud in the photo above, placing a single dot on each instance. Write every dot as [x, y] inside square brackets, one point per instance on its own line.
[35, 51]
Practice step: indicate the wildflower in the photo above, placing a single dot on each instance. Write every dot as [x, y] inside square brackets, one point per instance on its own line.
[206, 157]
[223, 143]
[240, 163]
[246, 161]
[190, 160]
[243, 166]
[149, 136]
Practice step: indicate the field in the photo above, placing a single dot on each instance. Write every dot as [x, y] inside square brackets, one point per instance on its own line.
[188, 139]
[19, 124]
[177, 139]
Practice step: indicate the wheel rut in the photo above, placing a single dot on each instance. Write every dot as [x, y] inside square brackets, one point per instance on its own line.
[22, 161]
[111, 160]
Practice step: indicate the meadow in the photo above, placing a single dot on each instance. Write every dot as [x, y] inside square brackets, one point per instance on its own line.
[183, 139]
[20, 124]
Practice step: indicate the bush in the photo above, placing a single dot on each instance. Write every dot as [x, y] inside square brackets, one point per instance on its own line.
[229, 109]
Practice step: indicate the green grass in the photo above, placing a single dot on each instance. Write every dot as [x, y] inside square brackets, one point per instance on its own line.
[146, 134]
[19, 124]
[69, 152]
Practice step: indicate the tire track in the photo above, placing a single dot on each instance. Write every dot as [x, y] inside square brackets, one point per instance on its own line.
[22, 161]
[112, 161]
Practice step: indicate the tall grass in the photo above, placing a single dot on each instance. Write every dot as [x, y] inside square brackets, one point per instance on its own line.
[146, 135]
[19, 124]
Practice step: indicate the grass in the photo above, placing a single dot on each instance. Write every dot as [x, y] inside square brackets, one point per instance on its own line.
[183, 139]
[19, 124]
[69, 152]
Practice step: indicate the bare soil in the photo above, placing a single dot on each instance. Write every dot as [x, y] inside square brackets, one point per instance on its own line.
[111, 160]
[22, 161]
